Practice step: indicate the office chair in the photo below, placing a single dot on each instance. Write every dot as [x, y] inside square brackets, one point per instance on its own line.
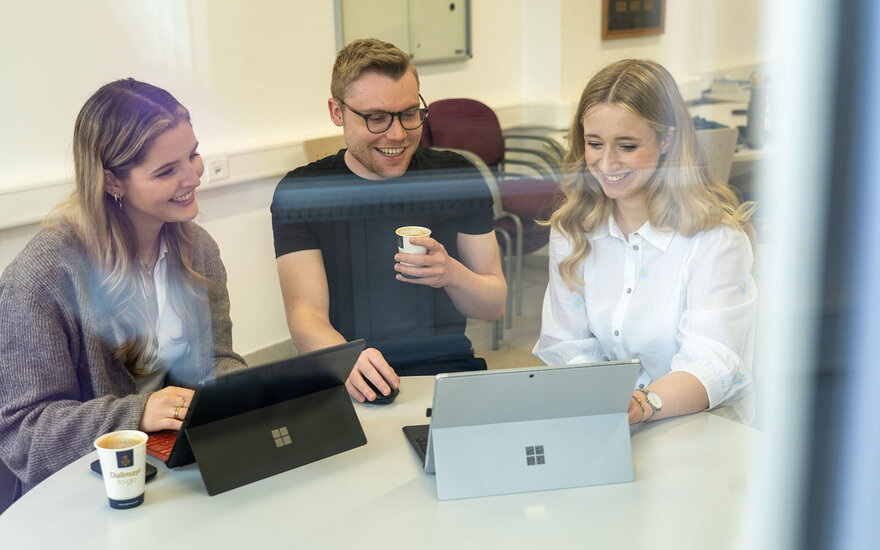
[502, 233]
[538, 139]
[470, 125]
[474, 124]
[318, 148]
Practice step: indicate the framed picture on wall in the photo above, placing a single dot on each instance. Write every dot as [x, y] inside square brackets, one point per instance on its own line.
[628, 18]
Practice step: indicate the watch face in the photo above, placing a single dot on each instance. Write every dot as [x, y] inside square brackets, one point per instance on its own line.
[654, 400]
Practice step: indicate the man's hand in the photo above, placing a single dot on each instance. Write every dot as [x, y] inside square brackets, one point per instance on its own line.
[475, 282]
[437, 267]
[371, 365]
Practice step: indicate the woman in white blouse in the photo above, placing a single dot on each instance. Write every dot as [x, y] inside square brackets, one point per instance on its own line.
[650, 256]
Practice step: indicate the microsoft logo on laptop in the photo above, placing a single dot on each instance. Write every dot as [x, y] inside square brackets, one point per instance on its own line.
[535, 455]
[282, 437]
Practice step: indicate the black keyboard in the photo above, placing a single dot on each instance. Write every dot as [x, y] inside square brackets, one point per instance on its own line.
[418, 438]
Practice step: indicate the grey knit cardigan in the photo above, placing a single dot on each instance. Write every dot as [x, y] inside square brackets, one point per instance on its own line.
[60, 386]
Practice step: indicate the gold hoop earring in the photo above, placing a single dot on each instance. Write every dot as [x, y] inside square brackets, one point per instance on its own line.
[118, 200]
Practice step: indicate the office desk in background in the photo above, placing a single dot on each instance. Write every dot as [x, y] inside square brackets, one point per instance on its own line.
[693, 479]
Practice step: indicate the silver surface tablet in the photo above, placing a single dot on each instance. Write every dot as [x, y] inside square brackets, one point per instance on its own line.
[530, 429]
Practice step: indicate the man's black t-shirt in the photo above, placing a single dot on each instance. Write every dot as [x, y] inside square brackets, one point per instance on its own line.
[352, 220]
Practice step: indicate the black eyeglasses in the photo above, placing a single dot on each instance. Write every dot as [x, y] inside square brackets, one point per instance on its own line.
[377, 123]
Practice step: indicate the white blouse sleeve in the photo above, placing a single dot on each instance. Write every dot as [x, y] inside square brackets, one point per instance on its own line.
[716, 332]
[565, 329]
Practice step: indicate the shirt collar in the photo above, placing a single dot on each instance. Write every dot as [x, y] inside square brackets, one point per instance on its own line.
[655, 237]
[602, 231]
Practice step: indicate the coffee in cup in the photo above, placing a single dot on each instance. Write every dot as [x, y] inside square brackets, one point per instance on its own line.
[123, 457]
[413, 231]
[119, 440]
[404, 234]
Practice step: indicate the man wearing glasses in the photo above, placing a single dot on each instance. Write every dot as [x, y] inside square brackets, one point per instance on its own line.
[334, 223]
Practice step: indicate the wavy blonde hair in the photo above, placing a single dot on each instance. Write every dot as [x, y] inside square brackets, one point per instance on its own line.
[682, 196]
[114, 131]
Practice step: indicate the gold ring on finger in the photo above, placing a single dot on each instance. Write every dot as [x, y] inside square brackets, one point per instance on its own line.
[175, 413]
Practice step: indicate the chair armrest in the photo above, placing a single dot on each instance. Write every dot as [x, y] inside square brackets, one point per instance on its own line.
[540, 169]
[550, 142]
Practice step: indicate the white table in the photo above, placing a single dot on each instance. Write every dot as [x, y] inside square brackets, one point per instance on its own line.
[692, 484]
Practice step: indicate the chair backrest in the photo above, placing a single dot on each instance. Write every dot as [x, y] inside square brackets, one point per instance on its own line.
[319, 148]
[719, 145]
[465, 124]
[488, 176]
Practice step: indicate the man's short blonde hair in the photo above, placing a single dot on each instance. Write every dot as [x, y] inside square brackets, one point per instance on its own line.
[368, 55]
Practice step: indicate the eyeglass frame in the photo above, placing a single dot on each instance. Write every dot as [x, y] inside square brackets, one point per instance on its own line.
[398, 114]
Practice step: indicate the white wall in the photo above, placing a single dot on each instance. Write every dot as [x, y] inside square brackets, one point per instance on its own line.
[701, 37]
[255, 75]
[542, 44]
[253, 72]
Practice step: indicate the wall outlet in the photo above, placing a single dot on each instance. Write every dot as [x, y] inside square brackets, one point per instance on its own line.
[218, 169]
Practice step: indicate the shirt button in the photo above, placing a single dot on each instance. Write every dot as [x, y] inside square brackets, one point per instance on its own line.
[635, 247]
[629, 290]
[641, 386]
[617, 333]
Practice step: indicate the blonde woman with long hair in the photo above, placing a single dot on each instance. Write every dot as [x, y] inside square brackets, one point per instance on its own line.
[650, 256]
[118, 305]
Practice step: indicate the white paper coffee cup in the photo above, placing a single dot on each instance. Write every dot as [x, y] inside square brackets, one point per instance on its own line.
[404, 234]
[123, 457]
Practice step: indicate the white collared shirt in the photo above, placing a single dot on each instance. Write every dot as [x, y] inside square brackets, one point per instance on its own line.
[169, 330]
[676, 303]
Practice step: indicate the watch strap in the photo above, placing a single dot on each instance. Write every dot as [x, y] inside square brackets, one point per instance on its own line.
[648, 401]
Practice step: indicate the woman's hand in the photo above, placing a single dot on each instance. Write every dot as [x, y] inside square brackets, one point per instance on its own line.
[636, 412]
[166, 409]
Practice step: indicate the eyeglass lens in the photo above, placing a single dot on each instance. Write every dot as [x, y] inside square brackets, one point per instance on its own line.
[410, 120]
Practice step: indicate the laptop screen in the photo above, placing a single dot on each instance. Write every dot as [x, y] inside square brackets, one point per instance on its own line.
[262, 386]
[272, 383]
[529, 429]
[533, 393]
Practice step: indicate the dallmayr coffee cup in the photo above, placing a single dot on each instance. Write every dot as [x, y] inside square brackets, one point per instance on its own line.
[123, 457]
[404, 234]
